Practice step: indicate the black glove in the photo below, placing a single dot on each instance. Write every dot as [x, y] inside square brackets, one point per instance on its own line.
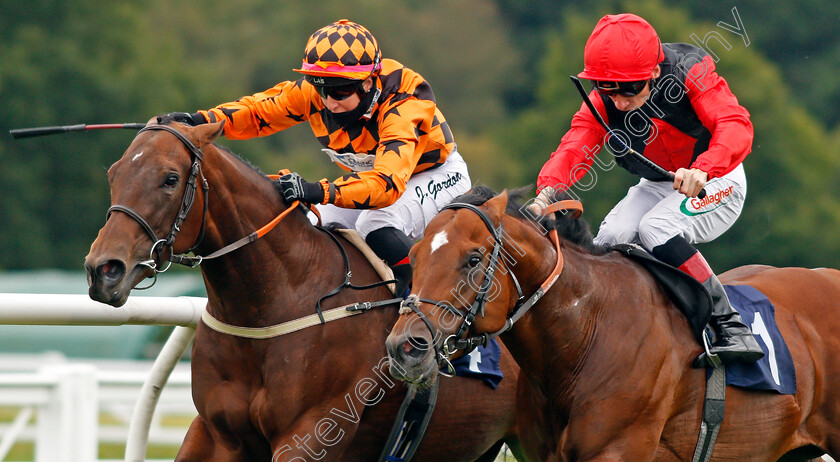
[184, 118]
[293, 188]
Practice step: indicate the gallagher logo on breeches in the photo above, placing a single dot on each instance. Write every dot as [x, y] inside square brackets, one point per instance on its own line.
[692, 206]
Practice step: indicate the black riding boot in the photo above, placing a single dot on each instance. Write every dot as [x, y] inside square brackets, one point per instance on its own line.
[392, 245]
[733, 339]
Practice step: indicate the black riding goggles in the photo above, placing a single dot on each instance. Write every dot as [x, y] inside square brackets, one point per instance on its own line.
[337, 92]
[620, 88]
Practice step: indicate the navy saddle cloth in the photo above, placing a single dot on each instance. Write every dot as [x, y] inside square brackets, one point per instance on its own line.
[775, 371]
[481, 363]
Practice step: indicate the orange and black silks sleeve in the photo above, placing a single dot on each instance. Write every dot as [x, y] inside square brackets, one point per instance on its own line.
[405, 130]
[265, 113]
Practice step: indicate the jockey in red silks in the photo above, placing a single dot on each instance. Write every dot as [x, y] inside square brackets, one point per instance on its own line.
[666, 102]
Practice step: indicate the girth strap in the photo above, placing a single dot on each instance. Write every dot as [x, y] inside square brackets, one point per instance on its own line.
[410, 424]
[713, 411]
[295, 325]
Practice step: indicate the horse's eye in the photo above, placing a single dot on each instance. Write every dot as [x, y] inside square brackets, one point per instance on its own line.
[473, 261]
[171, 180]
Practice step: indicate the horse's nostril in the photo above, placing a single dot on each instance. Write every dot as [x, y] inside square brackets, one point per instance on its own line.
[415, 347]
[112, 269]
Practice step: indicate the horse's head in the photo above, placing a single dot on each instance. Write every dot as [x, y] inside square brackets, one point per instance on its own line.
[153, 187]
[455, 295]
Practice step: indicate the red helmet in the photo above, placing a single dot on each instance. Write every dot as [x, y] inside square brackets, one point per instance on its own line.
[622, 48]
[343, 50]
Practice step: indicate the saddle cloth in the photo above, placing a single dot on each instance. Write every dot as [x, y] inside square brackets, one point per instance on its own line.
[775, 371]
[482, 363]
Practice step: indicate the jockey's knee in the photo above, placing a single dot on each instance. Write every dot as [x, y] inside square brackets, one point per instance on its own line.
[390, 244]
[389, 217]
[655, 231]
[612, 235]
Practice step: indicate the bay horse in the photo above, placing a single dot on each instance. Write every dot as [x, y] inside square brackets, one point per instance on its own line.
[319, 393]
[606, 347]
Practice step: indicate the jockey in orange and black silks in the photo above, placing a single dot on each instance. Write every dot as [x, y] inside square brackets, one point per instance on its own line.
[376, 119]
[397, 125]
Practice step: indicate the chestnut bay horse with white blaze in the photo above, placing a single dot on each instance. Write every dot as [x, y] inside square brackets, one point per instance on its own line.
[607, 348]
[318, 393]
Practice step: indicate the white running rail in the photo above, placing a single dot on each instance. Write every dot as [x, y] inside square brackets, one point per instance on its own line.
[66, 396]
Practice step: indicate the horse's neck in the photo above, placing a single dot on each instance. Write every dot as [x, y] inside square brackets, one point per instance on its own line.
[268, 272]
[590, 324]
[552, 340]
[241, 199]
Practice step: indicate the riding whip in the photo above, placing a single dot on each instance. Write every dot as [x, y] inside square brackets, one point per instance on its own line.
[644, 160]
[40, 131]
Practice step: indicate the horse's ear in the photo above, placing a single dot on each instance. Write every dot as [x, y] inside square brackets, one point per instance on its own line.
[496, 207]
[206, 133]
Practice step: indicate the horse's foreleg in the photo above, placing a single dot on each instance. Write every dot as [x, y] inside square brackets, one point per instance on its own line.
[316, 436]
[491, 453]
[199, 445]
[639, 446]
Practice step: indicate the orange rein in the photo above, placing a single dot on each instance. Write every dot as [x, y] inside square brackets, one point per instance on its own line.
[560, 206]
[576, 207]
[195, 261]
[568, 205]
[271, 224]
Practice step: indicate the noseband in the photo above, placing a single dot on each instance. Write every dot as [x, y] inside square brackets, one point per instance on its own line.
[460, 340]
[186, 204]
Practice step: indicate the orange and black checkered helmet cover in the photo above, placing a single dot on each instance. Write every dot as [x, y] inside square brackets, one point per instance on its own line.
[342, 49]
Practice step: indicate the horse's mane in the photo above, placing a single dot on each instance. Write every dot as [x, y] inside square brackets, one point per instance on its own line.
[573, 230]
[168, 120]
[237, 156]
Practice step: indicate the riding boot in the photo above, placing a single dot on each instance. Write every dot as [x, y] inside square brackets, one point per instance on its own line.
[733, 339]
[402, 273]
[392, 245]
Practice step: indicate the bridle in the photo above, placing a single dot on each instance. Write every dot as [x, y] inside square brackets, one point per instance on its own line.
[320, 317]
[159, 244]
[461, 340]
[186, 205]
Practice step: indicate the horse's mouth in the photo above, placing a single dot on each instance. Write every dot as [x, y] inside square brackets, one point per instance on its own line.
[114, 291]
[421, 374]
[109, 296]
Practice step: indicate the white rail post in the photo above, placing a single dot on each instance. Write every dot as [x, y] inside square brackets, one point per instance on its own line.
[14, 431]
[141, 418]
[68, 424]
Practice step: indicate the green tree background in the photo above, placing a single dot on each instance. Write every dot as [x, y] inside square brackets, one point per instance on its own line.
[499, 69]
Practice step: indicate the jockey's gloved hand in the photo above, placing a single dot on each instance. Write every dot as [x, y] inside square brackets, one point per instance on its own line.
[545, 198]
[184, 118]
[294, 188]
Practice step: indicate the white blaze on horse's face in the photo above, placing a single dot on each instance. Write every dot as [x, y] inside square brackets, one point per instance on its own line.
[136, 156]
[439, 240]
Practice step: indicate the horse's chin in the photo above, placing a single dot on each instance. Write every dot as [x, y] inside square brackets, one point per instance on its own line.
[422, 374]
[107, 296]
[116, 294]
